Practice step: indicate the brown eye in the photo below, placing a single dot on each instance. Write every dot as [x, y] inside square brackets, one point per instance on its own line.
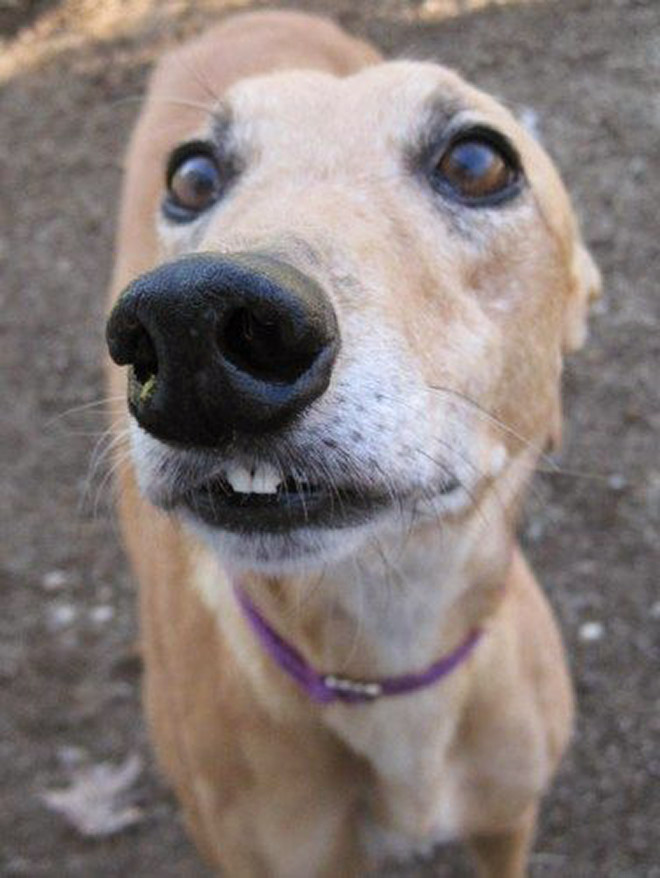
[478, 171]
[194, 183]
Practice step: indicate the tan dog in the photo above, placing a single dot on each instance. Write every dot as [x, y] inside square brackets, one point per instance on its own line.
[350, 285]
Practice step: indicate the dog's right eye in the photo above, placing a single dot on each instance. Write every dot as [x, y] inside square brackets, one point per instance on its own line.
[194, 182]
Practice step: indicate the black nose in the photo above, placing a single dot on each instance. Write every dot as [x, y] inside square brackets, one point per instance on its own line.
[219, 345]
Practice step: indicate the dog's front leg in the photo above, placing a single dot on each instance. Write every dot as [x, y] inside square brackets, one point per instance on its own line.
[307, 839]
[504, 854]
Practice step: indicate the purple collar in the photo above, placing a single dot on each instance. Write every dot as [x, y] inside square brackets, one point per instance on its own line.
[326, 688]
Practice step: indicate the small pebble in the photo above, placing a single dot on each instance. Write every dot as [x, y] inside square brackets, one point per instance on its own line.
[54, 579]
[102, 614]
[591, 631]
[71, 756]
[617, 482]
[655, 610]
[61, 616]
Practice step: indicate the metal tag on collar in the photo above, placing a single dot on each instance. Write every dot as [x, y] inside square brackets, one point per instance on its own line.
[352, 687]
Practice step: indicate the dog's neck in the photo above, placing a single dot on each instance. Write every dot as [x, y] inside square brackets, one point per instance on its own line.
[393, 609]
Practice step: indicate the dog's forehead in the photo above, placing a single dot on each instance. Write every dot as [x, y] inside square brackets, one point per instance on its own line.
[375, 114]
[393, 98]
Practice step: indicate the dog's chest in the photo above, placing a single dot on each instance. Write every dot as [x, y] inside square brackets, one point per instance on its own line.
[414, 800]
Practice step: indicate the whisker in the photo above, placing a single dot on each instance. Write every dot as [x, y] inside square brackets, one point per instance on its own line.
[398, 583]
[200, 79]
[575, 474]
[359, 621]
[85, 407]
[489, 416]
[326, 476]
[307, 593]
[477, 506]
[100, 454]
[118, 461]
[552, 468]
[100, 450]
[209, 109]
[297, 482]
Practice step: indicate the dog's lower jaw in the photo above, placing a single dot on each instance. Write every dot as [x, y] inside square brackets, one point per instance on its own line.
[309, 548]
[299, 552]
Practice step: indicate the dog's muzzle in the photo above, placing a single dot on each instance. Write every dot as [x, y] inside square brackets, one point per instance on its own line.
[220, 345]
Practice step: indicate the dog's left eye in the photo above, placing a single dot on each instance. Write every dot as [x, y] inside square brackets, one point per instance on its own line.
[194, 182]
[478, 169]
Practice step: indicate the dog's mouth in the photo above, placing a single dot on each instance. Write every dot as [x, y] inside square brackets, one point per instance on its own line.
[264, 500]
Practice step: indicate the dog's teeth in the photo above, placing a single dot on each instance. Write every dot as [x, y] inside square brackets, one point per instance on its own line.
[265, 480]
[239, 479]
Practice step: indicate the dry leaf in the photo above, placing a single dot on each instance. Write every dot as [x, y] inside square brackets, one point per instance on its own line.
[98, 800]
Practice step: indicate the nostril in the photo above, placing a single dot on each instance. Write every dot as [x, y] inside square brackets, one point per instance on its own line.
[260, 346]
[145, 361]
[130, 344]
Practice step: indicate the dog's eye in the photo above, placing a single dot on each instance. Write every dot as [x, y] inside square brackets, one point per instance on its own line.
[478, 170]
[194, 182]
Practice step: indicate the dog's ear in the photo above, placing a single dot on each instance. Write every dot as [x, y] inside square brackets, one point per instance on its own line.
[585, 287]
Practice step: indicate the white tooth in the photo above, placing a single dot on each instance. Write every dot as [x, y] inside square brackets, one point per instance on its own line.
[265, 480]
[240, 479]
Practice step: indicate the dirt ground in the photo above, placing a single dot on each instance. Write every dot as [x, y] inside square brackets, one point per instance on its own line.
[589, 73]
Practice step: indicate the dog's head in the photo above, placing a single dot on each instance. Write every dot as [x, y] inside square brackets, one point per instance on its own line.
[352, 301]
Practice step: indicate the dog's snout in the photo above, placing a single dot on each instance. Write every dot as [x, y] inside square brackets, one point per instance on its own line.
[219, 345]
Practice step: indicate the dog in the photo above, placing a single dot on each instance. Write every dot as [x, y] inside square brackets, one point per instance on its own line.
[343, 290]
